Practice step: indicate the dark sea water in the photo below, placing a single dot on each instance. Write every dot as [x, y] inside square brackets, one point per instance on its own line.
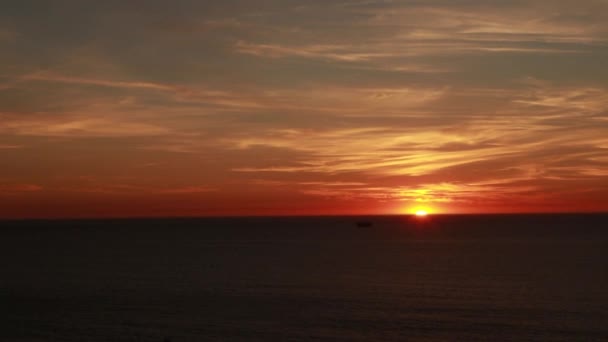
[448, 278]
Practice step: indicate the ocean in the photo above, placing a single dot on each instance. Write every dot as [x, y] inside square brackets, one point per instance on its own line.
[441, 278]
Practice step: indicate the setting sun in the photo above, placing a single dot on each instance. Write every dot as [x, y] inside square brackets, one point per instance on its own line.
[421, 213]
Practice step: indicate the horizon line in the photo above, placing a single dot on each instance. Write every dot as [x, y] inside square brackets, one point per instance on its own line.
[142, 217]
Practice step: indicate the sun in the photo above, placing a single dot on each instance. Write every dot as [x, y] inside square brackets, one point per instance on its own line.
[421, 213]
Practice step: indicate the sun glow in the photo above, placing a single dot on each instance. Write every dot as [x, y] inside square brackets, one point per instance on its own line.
[421, 213]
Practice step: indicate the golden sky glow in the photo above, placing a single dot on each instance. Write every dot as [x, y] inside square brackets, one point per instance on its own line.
[118, 108]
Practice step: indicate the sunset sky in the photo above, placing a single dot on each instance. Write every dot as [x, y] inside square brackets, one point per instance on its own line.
[273, 107]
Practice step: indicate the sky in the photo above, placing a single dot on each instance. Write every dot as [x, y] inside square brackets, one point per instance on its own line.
[281, 107]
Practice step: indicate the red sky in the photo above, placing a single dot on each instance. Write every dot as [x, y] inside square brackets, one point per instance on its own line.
[285, 107]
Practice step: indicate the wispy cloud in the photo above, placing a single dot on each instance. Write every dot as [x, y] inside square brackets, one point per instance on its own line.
[501, 146]
[404, 31]
[9, 147]
[87, 127]
[19, 188]
[53, 77]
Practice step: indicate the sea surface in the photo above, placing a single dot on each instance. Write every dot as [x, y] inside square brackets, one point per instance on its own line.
[442, 278]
